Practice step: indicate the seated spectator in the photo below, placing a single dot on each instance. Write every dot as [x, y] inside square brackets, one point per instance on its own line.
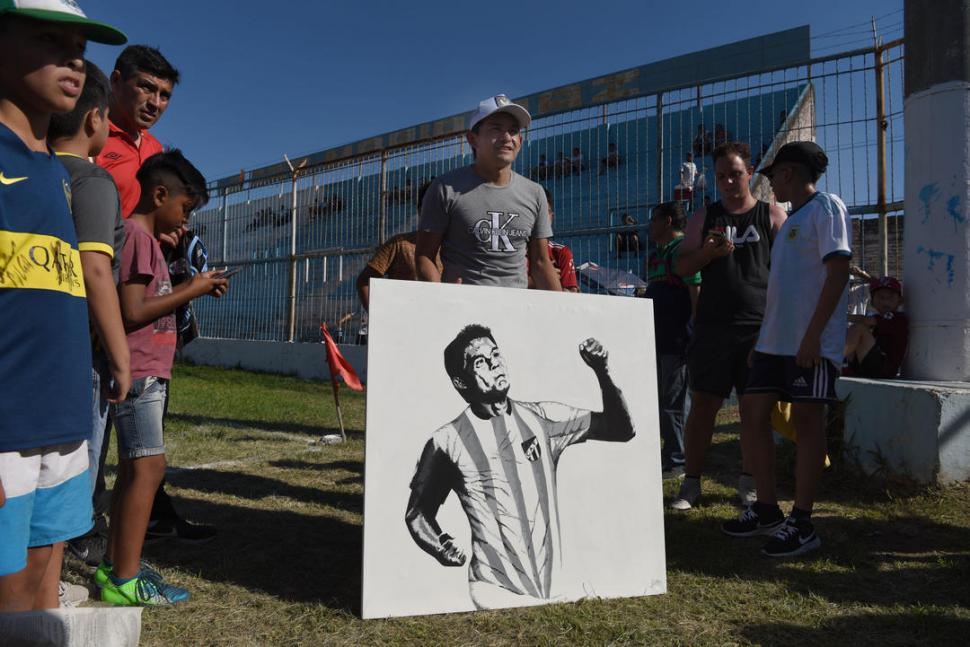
[561, 166]
[393, 260]
[612, 160]
[560, 255]
[702, 142]
[876, 344]
[721, 135]
[858, 291]
[628, 241]
[541, 171]
[576, 161]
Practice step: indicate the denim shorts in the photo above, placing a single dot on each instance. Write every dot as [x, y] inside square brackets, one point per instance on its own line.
[138, 420]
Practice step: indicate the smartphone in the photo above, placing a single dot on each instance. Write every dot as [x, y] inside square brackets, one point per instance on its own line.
[227, 272]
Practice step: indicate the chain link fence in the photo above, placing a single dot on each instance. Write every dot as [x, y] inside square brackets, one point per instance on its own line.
[305, 234]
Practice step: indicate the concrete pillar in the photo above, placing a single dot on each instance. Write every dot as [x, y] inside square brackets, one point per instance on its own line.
[937, 236]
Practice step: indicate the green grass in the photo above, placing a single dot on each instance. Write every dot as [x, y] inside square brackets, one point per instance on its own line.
[285, 568]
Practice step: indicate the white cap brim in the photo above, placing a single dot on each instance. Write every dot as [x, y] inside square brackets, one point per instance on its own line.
[521, 115]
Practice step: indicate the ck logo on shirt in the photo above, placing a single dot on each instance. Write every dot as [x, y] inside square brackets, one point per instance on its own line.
[750, 235]
[496, 233]
[531, 449]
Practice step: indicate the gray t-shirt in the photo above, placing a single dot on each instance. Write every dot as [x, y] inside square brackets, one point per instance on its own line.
[486, 228]
[96, 209]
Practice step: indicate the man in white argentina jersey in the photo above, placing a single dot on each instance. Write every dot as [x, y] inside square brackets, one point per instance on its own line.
[500, 458]
[800, 347]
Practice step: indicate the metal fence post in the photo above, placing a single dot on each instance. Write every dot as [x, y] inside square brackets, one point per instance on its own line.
[224, 208]
[881, 125]
[660, 147]
[291, 312]
[382, 211]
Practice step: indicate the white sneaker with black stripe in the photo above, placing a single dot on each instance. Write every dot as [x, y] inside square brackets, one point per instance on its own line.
[793, 538]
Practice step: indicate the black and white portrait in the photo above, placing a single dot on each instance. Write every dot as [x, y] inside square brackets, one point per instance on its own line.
[539, 480]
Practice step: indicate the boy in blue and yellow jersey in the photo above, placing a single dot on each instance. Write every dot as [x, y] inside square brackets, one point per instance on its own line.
[44, 375]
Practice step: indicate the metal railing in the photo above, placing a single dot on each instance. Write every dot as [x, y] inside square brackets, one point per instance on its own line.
[304, 234]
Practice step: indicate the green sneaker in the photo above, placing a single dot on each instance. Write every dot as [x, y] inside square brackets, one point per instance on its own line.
[144, 590]
[102, 575]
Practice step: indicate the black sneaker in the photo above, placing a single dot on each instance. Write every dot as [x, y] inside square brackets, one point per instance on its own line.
[749, 523]
[89, 550]
[793, 538]
[194, 533]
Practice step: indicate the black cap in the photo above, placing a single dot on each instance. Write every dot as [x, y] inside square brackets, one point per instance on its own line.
[808, 154]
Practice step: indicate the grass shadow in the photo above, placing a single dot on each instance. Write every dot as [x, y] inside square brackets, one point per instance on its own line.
[867, 629]
[866, 560]
[295, 557]
[255, 487]
[261, 425]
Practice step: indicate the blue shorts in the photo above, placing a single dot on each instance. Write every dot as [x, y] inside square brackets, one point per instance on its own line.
[48, 494]
[138, 420]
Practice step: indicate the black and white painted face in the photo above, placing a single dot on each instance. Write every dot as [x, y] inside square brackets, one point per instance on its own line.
[485, 372]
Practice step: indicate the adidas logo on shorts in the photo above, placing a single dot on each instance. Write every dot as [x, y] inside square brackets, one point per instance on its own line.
[800, 382]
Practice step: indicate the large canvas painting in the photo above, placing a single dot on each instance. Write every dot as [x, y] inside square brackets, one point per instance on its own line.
[512, 449]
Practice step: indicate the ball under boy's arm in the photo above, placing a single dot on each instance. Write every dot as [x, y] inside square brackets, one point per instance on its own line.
[614, 423]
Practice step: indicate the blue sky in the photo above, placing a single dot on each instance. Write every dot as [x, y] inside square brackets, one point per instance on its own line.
[263, 79]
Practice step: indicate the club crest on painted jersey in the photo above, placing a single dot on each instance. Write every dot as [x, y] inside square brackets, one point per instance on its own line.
[531, 449]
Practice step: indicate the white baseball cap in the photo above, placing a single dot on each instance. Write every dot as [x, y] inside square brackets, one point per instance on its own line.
[64, 11]
[499, 103]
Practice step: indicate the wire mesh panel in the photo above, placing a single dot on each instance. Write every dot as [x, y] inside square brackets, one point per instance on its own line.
[605, 166]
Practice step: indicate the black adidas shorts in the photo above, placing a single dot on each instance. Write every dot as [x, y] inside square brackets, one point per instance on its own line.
[780, 374]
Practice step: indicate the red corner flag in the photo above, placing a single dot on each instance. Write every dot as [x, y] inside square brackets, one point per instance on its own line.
[339, 364]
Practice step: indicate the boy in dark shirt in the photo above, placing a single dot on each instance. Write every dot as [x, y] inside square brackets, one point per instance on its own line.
[674, 301]
[876, 344]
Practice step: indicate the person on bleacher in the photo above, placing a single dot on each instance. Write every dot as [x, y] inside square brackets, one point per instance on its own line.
[485, 219]
[729, 243]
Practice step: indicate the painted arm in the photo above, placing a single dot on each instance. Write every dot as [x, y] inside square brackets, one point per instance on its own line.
[540, 266]
[421, 520]
[836, 275]
[137, 310]
[429, 489]
[613, 424]
[106, 317]
[425, 251]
